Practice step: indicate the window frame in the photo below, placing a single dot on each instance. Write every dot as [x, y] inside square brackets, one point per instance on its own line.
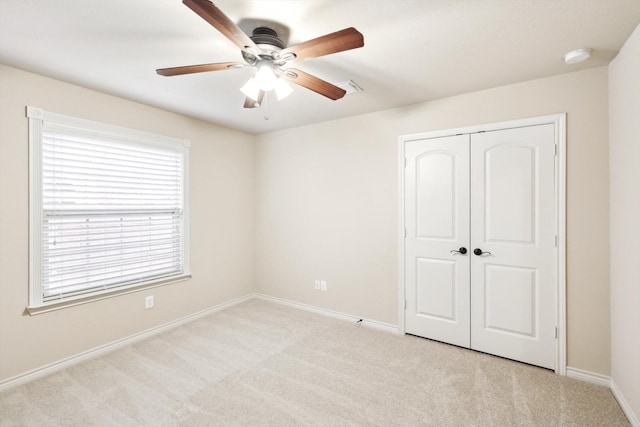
[37, 119]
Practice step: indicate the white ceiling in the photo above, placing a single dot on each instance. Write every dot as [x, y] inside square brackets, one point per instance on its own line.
[415, 50]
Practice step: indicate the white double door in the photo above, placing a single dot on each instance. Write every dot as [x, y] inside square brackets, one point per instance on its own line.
[480, 246]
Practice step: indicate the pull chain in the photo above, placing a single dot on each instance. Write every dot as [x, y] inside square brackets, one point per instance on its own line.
[265, 103]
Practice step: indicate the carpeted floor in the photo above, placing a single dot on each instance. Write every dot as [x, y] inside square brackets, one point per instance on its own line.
[263, 364]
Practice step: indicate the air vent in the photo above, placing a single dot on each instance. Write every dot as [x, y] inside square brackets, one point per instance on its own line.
[350, 87]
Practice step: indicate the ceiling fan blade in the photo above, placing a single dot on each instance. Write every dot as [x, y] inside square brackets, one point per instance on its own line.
[214, 16]
[250, 103]
[313, 83]
[342, 40]
[190, 69]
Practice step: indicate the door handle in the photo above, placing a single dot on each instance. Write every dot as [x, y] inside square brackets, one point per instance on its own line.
[479, 252]
[461, 251]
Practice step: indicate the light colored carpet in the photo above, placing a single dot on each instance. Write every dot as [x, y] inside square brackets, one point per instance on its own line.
[263, 364]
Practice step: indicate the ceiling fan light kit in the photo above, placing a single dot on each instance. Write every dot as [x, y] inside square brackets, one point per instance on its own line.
[271, 56]
[266, 80]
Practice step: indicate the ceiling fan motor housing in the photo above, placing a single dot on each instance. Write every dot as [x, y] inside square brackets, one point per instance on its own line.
[265, 35]
[266, 39]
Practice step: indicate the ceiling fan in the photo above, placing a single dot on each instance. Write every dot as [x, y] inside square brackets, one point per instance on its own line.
[270, 55]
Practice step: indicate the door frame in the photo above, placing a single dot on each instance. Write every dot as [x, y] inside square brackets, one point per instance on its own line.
[559, 122]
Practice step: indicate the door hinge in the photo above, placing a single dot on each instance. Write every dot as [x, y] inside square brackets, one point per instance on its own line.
[405, 304]
[555, 150]
[405, 233]
[405, 162]
[556, 240]
[556, 332]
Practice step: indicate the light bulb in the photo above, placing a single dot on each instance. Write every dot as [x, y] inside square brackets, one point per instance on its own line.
[282, 88]
[265, 78]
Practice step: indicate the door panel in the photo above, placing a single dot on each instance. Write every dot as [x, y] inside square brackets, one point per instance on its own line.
[435, 187]
[510, 194]
[436, 292]
[509, 295]
[513, 286]
[437, 222]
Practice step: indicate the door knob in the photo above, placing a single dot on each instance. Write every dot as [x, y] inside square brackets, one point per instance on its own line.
[462, 251]
[479, 252]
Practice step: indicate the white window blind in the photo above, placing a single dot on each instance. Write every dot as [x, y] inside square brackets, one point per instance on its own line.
[111, 211]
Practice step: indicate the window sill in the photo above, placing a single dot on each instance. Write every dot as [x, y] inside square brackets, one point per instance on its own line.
[71, 302]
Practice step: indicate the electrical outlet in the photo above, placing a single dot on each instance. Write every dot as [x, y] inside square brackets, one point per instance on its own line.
[323, 285]
[148, 301]
[317, 284]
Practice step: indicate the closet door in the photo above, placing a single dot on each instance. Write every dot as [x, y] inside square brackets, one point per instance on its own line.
[437, 227]
[513, 284]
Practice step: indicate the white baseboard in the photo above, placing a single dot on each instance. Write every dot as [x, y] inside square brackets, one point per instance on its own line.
[114, 345]
[590, 377]
[626, 408]
[335, 314]
[606, 381]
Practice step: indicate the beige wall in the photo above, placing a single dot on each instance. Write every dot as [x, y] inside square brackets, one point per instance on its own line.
[624, 161]
[327, 203]
[222, 206]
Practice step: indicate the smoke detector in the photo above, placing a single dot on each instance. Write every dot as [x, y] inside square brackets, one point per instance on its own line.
[577, 55]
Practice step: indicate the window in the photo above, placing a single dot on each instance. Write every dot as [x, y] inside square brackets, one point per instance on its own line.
[108, 209]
